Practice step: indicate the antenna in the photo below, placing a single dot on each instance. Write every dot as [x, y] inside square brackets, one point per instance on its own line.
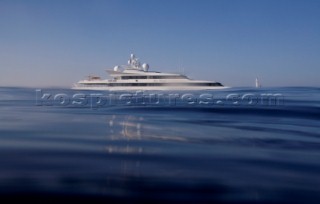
[181, 67]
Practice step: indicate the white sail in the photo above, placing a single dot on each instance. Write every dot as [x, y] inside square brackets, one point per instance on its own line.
[258, 85]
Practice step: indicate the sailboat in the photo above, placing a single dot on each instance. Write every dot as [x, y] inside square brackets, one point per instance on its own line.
[258, 85]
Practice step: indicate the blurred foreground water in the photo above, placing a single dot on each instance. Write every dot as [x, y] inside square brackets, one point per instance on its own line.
[231, 151]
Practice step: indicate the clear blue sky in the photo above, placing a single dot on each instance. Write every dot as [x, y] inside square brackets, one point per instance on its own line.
[58, 42]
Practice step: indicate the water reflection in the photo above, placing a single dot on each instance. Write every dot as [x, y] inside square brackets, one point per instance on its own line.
[127, 126]
[130, 127]
[124, 128]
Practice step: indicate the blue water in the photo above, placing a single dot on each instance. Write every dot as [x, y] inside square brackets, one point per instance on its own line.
[241, 150]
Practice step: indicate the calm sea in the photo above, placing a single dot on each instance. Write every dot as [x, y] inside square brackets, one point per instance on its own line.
[232, 146]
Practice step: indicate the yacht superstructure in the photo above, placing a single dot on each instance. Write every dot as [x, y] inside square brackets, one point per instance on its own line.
[136, 76]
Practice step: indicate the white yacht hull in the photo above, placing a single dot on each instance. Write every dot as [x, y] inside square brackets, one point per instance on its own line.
[151, 88]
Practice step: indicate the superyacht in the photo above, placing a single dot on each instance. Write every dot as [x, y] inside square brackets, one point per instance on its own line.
[136, 76]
